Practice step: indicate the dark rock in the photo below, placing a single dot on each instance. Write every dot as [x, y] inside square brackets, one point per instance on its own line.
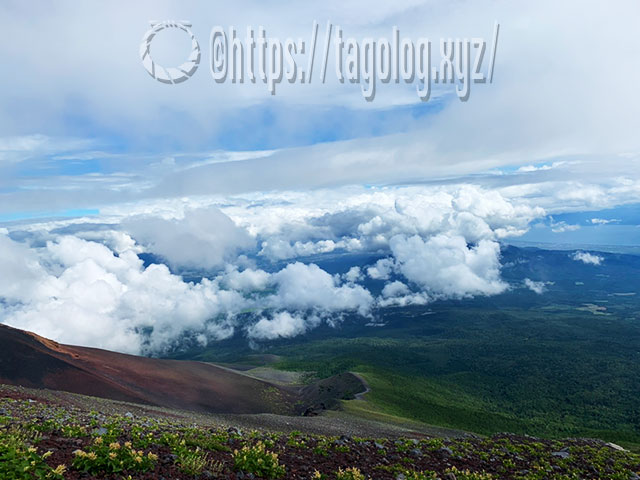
[310, 412]
[446, 451]
[169, 459]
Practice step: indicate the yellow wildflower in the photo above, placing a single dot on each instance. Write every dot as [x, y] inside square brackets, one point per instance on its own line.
[60, 469]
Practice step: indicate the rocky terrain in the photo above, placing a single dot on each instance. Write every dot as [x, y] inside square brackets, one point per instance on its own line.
[56, 435]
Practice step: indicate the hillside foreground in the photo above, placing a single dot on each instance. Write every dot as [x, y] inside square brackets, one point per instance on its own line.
[57, 435]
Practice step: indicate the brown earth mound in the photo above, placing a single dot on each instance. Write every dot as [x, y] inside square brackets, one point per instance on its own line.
[32, 361]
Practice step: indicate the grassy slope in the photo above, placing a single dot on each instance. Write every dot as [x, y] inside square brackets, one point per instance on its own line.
[541, 373]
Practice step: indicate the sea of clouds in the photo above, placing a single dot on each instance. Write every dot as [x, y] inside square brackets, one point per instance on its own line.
[84, 281]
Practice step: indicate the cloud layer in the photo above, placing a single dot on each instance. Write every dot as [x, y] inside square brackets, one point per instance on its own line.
[87, 283]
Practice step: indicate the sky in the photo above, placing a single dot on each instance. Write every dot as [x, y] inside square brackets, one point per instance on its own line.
[102, 167]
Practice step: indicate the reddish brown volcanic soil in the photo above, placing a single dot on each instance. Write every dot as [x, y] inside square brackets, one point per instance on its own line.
[32, 361]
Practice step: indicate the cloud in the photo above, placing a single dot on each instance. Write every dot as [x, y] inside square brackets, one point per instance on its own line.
[84, 281]
[304, 287]
[25, 147]
[447, 265]
[536, 287]
[381, 270]
[603, 221]
[248, 280]
[559, 227]
[51, 97]
[354, 275]
[20, 268]
[282, 325]
[395, 289]
[80, 292]
[86, 127]
[588, 258]
[202, 239]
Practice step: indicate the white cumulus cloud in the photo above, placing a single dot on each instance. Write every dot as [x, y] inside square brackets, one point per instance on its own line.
[536, 287]
[588, 258]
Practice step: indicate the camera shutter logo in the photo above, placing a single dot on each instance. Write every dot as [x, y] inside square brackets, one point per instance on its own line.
[169, 75]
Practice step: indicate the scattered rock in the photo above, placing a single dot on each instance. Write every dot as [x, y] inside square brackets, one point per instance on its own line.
[446, 451]
[169, 459]
[615, 447]
[561, 454]
[449, 476]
